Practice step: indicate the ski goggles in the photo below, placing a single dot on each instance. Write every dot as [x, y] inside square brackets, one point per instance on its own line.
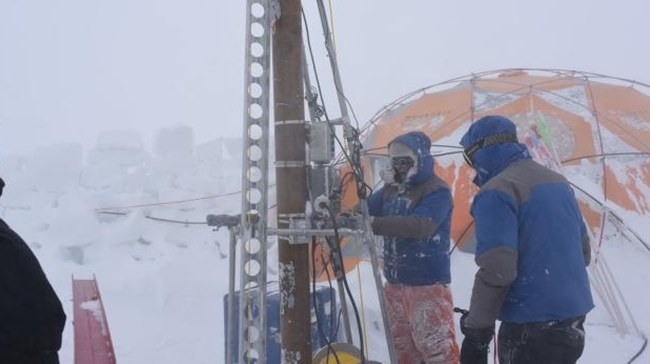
[468, 153]
[402, 162]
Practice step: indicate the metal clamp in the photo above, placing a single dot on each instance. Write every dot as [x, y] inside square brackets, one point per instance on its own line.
[289, 122]
[289, 164]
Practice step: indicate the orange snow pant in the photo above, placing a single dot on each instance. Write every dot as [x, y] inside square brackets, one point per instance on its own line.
[422, 324]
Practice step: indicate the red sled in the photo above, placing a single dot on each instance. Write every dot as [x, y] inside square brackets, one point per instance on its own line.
[92, 338]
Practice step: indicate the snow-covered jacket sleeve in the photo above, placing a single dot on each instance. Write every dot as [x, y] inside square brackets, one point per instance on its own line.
[421, 222]
[375, 202]
[495, 215]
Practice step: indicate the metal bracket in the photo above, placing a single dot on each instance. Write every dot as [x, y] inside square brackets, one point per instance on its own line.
[339, 121]
[302, 224]
[290, 122]
[290, 164]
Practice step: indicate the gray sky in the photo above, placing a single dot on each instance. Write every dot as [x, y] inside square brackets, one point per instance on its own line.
[70, 69]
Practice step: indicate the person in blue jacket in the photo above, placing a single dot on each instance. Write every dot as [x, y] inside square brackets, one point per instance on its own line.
[412, 211]
[532, 250]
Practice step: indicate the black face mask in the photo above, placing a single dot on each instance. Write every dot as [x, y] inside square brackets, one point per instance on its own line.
[402, 162]
[401, 167]
[468, 153]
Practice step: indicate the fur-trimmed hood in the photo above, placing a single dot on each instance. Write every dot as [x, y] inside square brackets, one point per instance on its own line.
[420, 145]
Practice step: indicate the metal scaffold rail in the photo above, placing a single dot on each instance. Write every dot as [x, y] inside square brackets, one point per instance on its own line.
[252, 288]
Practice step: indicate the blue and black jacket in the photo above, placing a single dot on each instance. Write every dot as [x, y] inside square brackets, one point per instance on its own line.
[532, 244]
[414, 217]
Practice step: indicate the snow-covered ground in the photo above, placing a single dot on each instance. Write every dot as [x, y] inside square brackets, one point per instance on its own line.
[163, 283]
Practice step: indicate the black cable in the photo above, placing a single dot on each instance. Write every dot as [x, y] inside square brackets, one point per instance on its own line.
[176, 221]
[165, 220]
[315, 304]
[155, 218]
[461, 311]
[337, 250]
[446, 153]
[447, 146]
[112, 213]
[334, 325]
[460, 238]
[348, 291]
[346, 178]
[645, 344]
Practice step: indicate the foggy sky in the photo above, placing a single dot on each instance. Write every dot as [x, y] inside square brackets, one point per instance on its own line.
[70, 69]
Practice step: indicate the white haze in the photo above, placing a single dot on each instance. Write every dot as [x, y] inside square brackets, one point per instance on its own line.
[71, 69]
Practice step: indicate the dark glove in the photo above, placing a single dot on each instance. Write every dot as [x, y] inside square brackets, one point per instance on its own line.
[476, 343]
[223, 220]
[347, 220]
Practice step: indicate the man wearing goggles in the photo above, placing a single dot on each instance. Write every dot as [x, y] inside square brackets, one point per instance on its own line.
[469, 152]
[532, 250]
[412, 211]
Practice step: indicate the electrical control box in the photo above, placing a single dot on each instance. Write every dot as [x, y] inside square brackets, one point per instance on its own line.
[321, 149]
